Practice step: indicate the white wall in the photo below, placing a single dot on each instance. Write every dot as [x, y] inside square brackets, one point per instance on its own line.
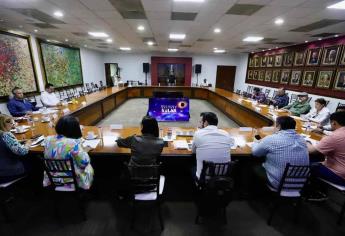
[92, 67]
[132, 65]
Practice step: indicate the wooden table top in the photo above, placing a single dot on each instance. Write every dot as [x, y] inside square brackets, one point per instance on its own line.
[107, 144]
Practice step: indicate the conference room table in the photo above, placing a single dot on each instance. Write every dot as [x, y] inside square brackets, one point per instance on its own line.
[253, 118]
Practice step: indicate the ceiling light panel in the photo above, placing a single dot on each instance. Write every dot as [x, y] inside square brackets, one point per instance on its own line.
[339, 5]
[174, 36]
[253, 39]
[98, 34]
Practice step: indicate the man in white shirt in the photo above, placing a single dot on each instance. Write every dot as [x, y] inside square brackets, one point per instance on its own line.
[48, 97]
[210, 143]
[320, 114]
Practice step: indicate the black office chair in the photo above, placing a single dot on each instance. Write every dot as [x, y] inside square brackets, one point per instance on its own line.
[6, 196]
[214, 189]
[340, 105]
[290, 187]
[147, 186]
[61, 174]
[267, 92]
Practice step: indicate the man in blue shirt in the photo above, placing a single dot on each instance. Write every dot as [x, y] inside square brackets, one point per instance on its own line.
[281, 99]
[18, 106]
[282, 147]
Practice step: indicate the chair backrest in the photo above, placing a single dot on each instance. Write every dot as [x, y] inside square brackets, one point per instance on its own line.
[267, 92]
[293, 98]
[212, 169]
[144, 178]
[274, 93]
[309, 99]
[294, 178]
[61, 172]
[249, 89]
[340, 105]
[238, 91]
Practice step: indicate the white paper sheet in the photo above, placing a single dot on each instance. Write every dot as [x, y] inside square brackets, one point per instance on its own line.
[91, 143]
[116, 126]
[180, 144]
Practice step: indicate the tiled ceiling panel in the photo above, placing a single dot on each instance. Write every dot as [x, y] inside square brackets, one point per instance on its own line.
[36, 14]
[317, 25]
[244, 9]
[185, 16]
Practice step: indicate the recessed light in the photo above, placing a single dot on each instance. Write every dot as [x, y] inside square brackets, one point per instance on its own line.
[306, 41]
[177, 36]
[189, 0]
[172, 49]
[58, 14]
[253, 39]
[98, 34]
[20, 26]
[125, 48]
[339, 5]
[141, 27]
[319, 39]
[215, 48]
[276, 47]
[66, 40]
[109, 40]
[85, 45]
[219, 51]
[262, 50]
[48, 40]
[336, 35]
[150, 43]
[35, 30]
[217, 30]
[279, 21]
[252, 52]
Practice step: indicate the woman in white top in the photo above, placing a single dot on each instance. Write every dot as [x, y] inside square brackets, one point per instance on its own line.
[320, 114]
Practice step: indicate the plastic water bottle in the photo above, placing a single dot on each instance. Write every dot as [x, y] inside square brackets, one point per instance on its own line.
[307, 127]
[160, 132]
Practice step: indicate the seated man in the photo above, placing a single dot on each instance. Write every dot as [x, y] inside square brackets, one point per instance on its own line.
[284, 146]
[328, 126]
[333, 148]
[320, 114]
[281, 99]
[210, 143]
[18, 106]
[258, 95]
[48, 97]
[301, 106]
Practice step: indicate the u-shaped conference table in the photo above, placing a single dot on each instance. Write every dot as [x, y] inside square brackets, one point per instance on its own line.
[92, 108]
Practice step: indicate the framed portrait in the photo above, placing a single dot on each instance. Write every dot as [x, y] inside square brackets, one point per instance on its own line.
[276, 76]
[16, 64]
[324, 79]
[270, 61]
[256, 61]
[288, 59]
[251, 62]
[285, 76]
[278, 60]
[342, 57]
[261, 75]
[250, 75]
[331, 55]
[339, 83]
[255, 75]
[313, 56]
[263, 61]
[268, 75]
[299, 59]
[308, 78]
[296, 77]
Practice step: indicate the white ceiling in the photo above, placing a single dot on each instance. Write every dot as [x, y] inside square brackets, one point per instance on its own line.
[100, 15]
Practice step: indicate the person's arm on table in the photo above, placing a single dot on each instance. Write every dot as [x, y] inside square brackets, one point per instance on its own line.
[11, 106]
[260, 148]
[125, 142]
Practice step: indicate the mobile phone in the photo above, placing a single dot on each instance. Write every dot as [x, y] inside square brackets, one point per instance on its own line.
[257, 137]
[36, 136]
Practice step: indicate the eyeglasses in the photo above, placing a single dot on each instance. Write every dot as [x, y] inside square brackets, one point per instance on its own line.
[10, 122]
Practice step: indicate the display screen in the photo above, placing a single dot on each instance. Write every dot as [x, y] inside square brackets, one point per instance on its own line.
[169, 109]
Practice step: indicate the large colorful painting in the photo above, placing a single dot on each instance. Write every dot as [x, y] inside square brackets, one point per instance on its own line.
[16, 64]
[62, 65]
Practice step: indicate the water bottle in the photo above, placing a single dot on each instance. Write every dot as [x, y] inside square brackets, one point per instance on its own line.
[160, 132]
[307, 127]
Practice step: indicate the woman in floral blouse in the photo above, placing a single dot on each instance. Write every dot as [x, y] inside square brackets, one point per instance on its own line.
[12, 152]
[67, 144]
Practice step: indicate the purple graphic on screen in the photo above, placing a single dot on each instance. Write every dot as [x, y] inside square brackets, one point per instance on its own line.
[169, 109]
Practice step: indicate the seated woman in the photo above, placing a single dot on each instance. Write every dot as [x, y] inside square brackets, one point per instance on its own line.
[12, 165]
[67, 144]
[145, 148]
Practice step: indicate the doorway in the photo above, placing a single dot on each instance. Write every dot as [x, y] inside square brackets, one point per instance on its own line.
[111, 73]
[226, 77]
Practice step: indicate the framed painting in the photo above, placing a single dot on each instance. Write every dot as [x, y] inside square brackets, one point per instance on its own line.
[331, 55]
[256, 61]
[288, 59]
[308, 78]
[278, 60]
[313, 56]
[276, 76]
[339, 83]
[296, 76]
[62, 65]
[261, 75]
[268, 75]
[264, 61]
[251, 62]
[270, 61]
[16, 64]
[299, 59]
[324, 79]
[342, 57]
[285, 76]
[250, 75]
[255, 75]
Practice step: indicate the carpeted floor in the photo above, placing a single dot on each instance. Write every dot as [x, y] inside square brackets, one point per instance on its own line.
[131, 112]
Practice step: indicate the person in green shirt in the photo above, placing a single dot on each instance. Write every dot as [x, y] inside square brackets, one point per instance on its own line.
[299, 107]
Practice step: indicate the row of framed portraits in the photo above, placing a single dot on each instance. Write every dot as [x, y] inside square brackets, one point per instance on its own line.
[326, 56]
[323, 78]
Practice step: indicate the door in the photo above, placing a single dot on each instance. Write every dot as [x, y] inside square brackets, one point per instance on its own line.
[111, 72]
[226, 77]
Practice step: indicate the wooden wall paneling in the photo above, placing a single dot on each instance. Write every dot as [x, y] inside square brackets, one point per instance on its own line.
[108, 105]
[134, 93]
[200, 93]
[90, 115]
[121, 98]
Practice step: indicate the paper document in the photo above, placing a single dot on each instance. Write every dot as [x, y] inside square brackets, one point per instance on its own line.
[180, 144]
[250, 144]
[245, 129]
[313, 141]
[91, 143]
[38, 141]
[116, 126]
